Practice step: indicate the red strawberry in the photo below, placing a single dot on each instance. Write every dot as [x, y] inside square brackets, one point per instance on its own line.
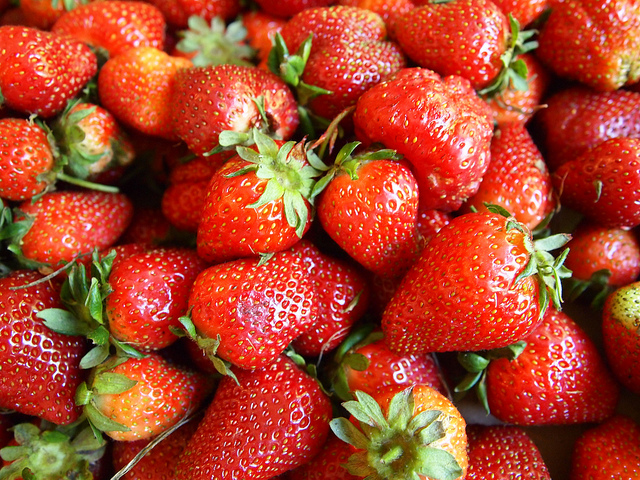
[270, 421]
[261, 29]
[26, 54]
[581, 25]
[61, 225]
[502, 451]
[607, 451]
[140, 398]
[621, 335]
[328, 464]
[115, 26]
[250, 310]
[558, 379]
[603, 183]
[230, 100]
[40, 368]
[148, 226]
[43, 14]
[288, 8]
[579, 118]
[525, 12]
[517, 178]
[480, 283]
[438, 124]
[389, 10]
[149, 292]
[137, 88]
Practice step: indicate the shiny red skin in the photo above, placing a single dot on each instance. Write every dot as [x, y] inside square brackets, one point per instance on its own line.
[438, 124]
[328, 464]
[462, 292]
[27, 53]
[559, 379]
[614, 165]
[289, 8]
[389, 10]
[40, 369]
[272, 421]
[256, 309]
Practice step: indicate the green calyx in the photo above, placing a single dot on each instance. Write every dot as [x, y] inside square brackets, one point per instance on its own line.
[58, 453]
[513, 73]
[397, 446]
[215, 43]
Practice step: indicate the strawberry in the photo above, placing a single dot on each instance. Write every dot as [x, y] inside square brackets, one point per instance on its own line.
[558, 379]
[342, 296]
[270, 421]
[247, 311]
[579, 118]
[402, 113]
[261, 29]
[328, 464]
[413, 432]
[525, 12]
[258, 202]
[289, 8]
[235, 98]
[480, 283]
[606, 451]
[581, 25]
[139, 398]
[517, 178]
[43, 14]
[139, 319]
[368, 204]
[25, 55]
[603, 183]
[621, 335]
[115, 26]
[40, 368]
[61, 225]
[389, 10]
[209, 9]
[137, 88]
[148, 226]
[502, 451]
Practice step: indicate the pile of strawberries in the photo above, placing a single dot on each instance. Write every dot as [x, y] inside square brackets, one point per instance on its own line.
[312, 239]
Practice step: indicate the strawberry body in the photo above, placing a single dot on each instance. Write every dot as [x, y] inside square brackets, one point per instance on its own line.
[40, 71]
[328, 464]
[40, 368]
[559, 379]
[438, 124]
[271, 421]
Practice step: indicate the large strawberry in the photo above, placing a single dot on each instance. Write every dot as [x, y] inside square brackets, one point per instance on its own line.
[438, 124]
[40, 71]
[40, 368]
[271, 420]
[480, 283]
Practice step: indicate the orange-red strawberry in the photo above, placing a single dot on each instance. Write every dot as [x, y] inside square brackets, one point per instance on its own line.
[115, 26]
[261, 29]
[525, 12]
[289, 8]
[42, 14]
[389, 10]
[26, 54]
[137, 87]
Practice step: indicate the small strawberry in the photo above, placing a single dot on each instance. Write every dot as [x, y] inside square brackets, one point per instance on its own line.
[26, 54]
[261, 29]
[271, 420]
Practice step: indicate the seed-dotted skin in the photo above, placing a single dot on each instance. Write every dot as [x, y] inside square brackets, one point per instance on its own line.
[273, 420]
[462, 292]
[39, 368]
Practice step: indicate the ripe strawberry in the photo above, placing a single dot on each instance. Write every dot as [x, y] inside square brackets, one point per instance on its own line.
[328, 464]
[603, 183]
[209, 9]
[342, 297]
[270, 421]
[235, 98]
[439, 125]
[581, 25]
[148, 226]
[480, 283]
[43, 14]
[289, 8]
[517, 178]
[607, 451]
[389, 10]
[502, 451]
[139, 398]
[579, 118]
[558, 379]
[525, 12]
[250, 309]
[261, 29]
[258, 202]
[25, 55]
[137, 88]
[621, 335]
[368, 204]
[40, 368]
[149, 292]
[115, 26]
[61, 225]
[25, 156]
[413, 432]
